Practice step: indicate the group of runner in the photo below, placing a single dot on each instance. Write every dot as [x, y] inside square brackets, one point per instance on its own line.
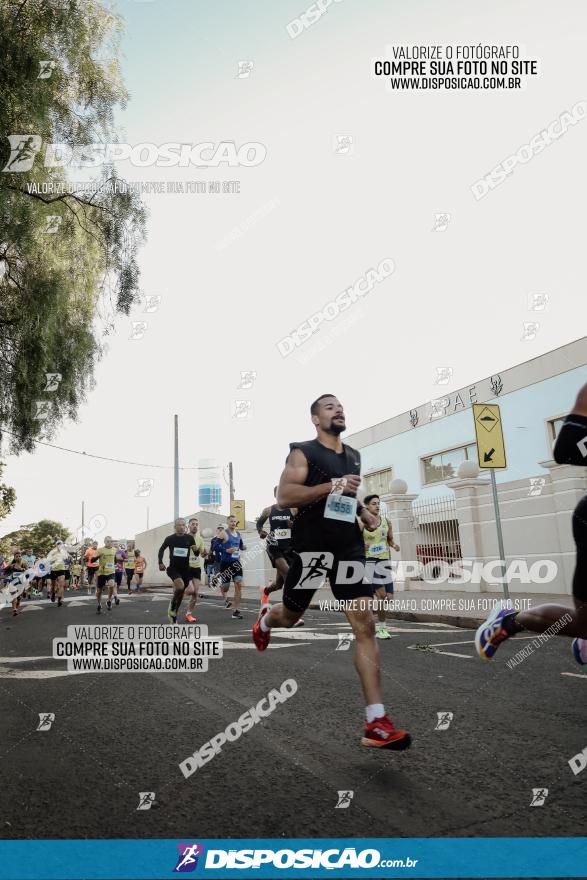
[329, 532]
[59, 569]
[319, 530]
[188, 554]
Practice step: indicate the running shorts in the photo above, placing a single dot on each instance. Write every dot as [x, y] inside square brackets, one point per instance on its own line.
[129, 572]
[196, 573]
[298, 598]
[379, 576]
[103, 579]
[118, 575]
[580, 536]
[91, 573]
[275, 552]
[231, 571]
[180, 574]
[56, 574]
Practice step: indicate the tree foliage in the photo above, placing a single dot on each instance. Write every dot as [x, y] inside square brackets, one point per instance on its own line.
[7, 497]
[54, 286]
[40, 536]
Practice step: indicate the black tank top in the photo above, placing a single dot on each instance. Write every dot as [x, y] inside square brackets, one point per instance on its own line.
[280, 518]
[311, 530]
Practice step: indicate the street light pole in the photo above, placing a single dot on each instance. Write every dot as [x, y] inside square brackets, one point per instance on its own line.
[176, 471]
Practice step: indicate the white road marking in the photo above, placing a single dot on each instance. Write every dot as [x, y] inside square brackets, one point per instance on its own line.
[34, 673]
[452, 654]
[574, 674]
[22, 659]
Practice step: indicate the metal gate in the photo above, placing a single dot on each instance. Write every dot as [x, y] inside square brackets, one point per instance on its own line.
[436, 530]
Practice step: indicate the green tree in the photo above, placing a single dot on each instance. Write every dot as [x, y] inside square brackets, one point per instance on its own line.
[40, 536]
[59, 84]
[7, 497]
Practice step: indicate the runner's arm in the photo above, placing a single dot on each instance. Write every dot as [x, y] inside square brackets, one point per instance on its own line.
[162, 550]
[390, 539]
[261, 521]
[291, 491]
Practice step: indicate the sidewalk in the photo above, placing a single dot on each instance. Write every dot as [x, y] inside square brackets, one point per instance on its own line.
[455, 608]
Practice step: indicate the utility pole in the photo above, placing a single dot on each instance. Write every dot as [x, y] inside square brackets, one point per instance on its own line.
[147, 519]
[176, 471]
[83, 523]
[230, 483]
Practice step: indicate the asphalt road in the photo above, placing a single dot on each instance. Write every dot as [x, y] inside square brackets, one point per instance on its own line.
[118, 734]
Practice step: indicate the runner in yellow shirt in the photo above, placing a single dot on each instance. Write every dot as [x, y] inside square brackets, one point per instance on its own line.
[378, 542]
[106, 568]
[76, 571]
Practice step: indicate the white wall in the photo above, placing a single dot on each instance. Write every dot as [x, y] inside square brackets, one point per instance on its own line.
[254, 561]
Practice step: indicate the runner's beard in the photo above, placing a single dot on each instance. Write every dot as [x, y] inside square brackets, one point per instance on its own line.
[336, 429]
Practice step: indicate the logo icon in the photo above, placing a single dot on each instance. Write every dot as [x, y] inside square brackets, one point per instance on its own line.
[536, 486]
[52, 223]
[342, 145]
[244, 69]
[530, 330]
[46, 719]
[344, 800]
[247, 379]
[444, 719]
[315, 568]
[241, 409]
[443, 375]
[41, 410]
[52, 380]
[138, 329]
[152, 303]
[441, 222]
[146, 800]
[537, 302]
[414, 418]
[438, 407]
[23, 150]
[188, 855]
[539, 795]
[145, 485]
[47, 68]
[344, 642]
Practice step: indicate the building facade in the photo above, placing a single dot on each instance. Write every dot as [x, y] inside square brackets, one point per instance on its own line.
[441, 509]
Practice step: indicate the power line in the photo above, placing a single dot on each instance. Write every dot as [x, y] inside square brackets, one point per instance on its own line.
[116, 460]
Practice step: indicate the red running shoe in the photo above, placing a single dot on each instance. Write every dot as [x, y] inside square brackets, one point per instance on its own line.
[381, 734]
[261, 638]
[190, 618]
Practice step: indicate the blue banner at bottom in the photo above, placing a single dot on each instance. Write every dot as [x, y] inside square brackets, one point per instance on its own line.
[507, 857]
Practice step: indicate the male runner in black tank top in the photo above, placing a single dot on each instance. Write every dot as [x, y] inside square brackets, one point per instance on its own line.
[570, 448]
[321, 479]
[278, 544]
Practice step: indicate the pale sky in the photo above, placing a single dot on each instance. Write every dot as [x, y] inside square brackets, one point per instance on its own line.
[457, 298]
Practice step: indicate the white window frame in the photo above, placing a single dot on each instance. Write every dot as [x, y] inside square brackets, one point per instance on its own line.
[384, 470]
[464, 446]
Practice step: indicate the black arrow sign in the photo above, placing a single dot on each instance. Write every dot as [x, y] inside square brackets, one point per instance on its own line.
[488, 455]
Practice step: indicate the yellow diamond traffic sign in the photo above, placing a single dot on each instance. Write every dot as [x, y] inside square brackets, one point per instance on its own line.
[489, 434]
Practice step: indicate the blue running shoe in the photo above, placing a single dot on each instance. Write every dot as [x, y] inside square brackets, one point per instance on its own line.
[579, 647]
[491, 633]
